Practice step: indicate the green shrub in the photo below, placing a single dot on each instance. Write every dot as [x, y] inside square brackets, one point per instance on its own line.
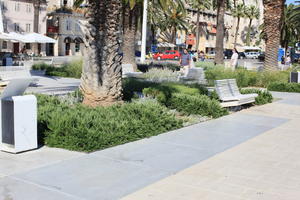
[72, 69]
[82, 128]
[160, 75]
[245, 77]
[284, 87]
[130, 86]
[41, 66]
[197, 104]
[263, 97]
[265, 78]
[206, 65]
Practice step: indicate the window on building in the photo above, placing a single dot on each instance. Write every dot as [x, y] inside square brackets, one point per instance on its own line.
[28, 28]
[77, 27]
[5, 25]
[28, 46]
[17, 27]
[77, 47]
[68, 25]
[28, 8]
[17, 7]
[3, 5]
[4, 45]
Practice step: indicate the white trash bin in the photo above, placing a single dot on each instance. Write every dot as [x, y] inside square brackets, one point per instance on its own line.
[18, 125]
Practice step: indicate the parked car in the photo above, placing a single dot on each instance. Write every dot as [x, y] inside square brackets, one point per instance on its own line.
[228, 53]
[296, 58]
[261, 57]
[169, 54]
[210, 55]
[242, 55]
[252, 55]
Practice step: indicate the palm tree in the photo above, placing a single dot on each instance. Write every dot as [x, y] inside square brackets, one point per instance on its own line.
[252, 12]
[290, 30]
[130, 15]
[238, 12]
[199, 5]
[175, 19]
[221, 7]
[101, 75]
[273, 15]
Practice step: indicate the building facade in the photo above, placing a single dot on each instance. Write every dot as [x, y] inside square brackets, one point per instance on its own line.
[23, 16]
[65, 25]
[208, 29]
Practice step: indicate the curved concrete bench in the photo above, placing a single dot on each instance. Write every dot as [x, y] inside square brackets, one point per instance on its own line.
[230, 95]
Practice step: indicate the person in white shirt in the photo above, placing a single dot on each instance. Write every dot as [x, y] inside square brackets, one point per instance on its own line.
[234, 58]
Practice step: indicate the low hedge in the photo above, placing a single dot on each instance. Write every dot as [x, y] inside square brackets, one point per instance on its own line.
[163, 65]
[41, 66]
[197, 104]
[131, 86]
[244, 77]
[87, 129]
[263, 97]
[284, 87]
[72, 69]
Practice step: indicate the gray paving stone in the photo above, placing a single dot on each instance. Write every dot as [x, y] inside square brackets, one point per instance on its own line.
[16, 163]
[91, 177]
[13, 189]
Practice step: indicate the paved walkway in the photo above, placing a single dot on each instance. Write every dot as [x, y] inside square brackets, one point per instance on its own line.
[53, 85]
[253, 154]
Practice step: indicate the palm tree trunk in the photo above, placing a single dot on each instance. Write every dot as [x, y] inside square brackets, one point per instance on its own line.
[273, 13]
[219, 59]
[102, 72]
[248, 33]
[236, 31]
[129, 37]
[197, 30]
[174, 35]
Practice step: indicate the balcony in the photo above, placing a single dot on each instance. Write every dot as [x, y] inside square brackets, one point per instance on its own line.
[52, 29]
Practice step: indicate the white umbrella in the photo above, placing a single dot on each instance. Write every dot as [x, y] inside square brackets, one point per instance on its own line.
[39, 38]
[5, 36]
[20, 38]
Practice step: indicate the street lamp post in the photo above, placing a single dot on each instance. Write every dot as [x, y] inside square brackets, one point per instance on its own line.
[144, 32]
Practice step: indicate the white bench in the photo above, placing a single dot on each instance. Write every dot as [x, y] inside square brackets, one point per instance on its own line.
[194, 75]
[127, 71]
[230, 95]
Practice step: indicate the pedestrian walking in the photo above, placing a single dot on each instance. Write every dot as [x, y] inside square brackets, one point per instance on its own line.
[185, 61]
[234, 59]
[201, 56]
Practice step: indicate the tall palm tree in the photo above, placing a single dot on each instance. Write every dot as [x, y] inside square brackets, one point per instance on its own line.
[175, 19]
[199, 5]
[101, 75]
[221, 8]
[273, 15]
[252, 12]
[130, 15]
[238, 12]
[290, 30]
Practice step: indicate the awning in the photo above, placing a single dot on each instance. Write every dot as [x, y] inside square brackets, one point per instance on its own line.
[7, 37]
[20, 38]
[39, 38]
[68, 40]
[166, 44]
[78, 40]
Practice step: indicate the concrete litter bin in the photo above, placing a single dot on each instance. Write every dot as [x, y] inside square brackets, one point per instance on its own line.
[18, 125]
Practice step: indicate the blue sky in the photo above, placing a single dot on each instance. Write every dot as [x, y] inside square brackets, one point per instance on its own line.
[290, 1]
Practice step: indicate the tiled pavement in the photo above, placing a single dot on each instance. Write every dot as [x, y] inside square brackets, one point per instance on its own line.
[253, 154]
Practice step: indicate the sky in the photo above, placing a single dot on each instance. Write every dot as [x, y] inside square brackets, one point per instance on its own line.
[290, 1]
